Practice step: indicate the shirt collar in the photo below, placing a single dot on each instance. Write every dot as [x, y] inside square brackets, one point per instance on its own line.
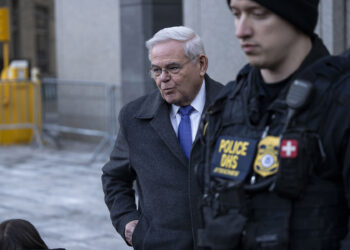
[197, 103]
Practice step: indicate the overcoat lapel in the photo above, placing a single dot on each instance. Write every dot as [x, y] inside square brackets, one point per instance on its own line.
[162, 126]
[156, 111]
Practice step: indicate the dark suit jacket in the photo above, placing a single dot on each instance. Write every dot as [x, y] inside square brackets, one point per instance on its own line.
[148, 150]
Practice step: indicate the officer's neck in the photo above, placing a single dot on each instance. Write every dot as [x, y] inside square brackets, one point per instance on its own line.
[289, 63]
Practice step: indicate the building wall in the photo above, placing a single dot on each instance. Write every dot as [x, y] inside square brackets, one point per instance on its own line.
[88, 40]
[89, 44]
[332, 26]
[140, 19]
[103, 41]
[347, 23]
[213, 21]
[88, 59]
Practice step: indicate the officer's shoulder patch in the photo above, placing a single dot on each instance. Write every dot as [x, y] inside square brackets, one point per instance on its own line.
[233, 157]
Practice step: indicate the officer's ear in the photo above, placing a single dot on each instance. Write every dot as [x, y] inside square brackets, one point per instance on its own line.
[203, 64]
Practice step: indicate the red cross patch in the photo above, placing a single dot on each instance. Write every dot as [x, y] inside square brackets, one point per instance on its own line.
[289, 148]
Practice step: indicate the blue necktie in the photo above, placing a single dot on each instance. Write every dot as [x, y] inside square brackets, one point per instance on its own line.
[184, 131]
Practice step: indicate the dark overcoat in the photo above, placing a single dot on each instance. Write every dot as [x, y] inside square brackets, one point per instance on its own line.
[147, 150]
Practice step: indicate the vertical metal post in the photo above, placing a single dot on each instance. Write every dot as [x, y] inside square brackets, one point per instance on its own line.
[106, 138]
[36, 101]
[6, 54]
[112, 118]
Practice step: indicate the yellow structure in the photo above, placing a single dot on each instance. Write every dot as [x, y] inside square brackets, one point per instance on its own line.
[20, 106]
[5, 33]
[4, 25]
[20, 110]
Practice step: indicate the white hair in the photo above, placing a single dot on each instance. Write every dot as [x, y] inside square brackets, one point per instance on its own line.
[193, 45]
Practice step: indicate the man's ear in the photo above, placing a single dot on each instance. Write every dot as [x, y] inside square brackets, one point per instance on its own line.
[203, 64]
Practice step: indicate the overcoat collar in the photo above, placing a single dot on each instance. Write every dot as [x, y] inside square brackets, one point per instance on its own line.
[156, 110]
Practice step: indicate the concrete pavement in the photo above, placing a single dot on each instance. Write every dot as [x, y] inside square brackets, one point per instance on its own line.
[60, 192]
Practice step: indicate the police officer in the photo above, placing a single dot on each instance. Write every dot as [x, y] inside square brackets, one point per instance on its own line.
[276, 156]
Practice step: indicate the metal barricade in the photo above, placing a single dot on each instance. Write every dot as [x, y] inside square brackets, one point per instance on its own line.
[20, 117]
[80, 107]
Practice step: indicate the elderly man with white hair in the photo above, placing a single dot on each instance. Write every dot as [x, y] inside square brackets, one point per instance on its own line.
[158, 146]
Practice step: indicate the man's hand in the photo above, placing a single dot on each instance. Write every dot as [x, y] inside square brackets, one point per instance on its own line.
[129, 230]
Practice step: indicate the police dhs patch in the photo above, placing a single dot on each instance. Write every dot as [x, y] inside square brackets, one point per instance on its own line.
[266, 160]
[232, 157]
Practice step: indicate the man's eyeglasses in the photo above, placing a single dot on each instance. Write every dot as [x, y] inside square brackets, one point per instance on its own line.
[173, 69]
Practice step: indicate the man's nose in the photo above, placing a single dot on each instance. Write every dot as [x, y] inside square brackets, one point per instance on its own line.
[164, 75]
[243, 27]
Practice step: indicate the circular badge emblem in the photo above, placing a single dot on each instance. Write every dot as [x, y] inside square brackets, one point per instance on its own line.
[267, 161]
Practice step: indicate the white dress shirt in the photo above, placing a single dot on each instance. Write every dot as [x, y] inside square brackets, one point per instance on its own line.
[198, 105]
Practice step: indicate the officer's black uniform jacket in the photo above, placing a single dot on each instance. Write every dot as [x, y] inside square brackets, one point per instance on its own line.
[315, 218]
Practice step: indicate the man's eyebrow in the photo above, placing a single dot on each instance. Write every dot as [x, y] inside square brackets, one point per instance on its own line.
[166, 65]
[248, 8]
[172, 63]
[252, 8]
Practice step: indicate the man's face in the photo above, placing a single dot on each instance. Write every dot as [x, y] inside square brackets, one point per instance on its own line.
[265, 38]
[181, 83]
